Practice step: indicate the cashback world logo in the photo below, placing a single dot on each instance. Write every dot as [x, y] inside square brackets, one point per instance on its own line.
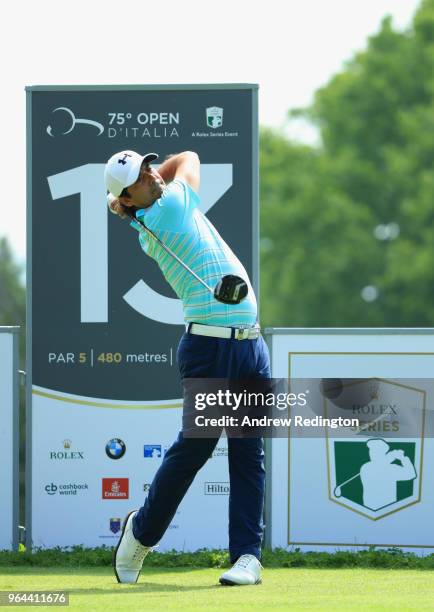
[65, 489]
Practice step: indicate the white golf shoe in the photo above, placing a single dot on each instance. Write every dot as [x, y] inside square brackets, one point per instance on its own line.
[129, 553]
[246, 570]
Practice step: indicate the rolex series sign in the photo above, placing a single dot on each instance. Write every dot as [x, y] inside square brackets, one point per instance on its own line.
[103, 324]
[371, 484]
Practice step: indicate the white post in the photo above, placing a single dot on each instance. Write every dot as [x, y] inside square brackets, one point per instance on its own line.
[9, 437]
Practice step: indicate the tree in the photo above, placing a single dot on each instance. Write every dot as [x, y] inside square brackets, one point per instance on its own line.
[374, 167]
[12, 292]
[13, 312]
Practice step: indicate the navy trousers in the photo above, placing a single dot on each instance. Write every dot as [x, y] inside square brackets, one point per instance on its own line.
[209, 357]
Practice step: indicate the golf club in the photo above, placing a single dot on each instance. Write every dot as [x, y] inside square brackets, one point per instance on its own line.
[230, 289]
[338, 488]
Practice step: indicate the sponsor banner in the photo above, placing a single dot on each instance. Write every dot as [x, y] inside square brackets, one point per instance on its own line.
[156, 429]
[104, 338]
[372, 486]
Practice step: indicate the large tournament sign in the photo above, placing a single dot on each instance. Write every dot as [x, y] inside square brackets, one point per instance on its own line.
[331, 491]
[104, 391]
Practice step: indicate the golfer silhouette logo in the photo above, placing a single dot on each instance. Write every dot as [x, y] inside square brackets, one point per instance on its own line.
[381, 474]
[374, 483]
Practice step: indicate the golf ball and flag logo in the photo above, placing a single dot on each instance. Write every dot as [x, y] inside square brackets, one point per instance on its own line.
[374, 475]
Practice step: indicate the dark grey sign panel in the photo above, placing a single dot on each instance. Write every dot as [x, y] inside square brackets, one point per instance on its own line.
[90, 334]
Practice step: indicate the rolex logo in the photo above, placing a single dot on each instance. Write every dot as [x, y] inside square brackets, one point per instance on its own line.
[67, 443]
[375, 394]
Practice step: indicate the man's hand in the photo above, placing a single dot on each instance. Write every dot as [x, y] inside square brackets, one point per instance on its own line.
[116, 207]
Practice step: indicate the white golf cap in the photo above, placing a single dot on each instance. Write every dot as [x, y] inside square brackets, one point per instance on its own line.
[122, 170]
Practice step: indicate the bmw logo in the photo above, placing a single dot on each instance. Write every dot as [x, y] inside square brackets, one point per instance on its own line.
[115, 448]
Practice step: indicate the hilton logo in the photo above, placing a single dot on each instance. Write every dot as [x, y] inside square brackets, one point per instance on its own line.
[216, 488]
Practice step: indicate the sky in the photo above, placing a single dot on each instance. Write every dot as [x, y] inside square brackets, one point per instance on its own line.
[289, 47]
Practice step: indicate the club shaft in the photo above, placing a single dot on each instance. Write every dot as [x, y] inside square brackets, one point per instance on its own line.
[347, 481]
[166, 248]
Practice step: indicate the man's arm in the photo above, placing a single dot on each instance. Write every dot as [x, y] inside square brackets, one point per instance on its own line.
[184, 166]
[407, 471]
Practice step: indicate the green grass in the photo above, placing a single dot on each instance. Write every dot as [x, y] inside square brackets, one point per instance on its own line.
[77, 556]
[95, 589]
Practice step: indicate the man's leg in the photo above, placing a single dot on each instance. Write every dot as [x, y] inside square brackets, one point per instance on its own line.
[181, 463]
[246, 466]
[144, 528]
[246, 501]
[195, 357]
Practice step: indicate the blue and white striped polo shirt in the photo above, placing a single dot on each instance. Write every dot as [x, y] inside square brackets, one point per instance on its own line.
[177, 221]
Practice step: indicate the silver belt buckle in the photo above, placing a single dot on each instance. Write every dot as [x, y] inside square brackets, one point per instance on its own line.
[242, 334]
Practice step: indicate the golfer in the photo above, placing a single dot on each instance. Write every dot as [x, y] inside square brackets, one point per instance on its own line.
[220, 341]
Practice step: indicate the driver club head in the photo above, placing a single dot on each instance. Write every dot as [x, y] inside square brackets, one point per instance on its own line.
[231, 289]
